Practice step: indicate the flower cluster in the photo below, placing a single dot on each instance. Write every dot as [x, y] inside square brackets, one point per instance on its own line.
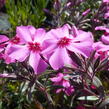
[65, 63]
[41, 48]
[102, 46]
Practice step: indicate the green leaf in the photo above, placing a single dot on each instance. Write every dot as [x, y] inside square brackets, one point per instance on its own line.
[97, 82]
[89, 98]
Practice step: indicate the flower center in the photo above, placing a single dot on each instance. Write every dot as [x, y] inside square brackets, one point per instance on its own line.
[15, 40]
[35, 47]
[106, 33]
[64, 42]
[102, 54]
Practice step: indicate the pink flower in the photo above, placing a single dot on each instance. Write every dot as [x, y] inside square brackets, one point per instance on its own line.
[60, 41]
[102, 50]
[63, 80]
[30, 47]
[102, 47]
[16, 40]
[106, 1]
[105, 36]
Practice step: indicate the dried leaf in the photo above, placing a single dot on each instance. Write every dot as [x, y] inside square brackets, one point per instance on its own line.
[38, 105]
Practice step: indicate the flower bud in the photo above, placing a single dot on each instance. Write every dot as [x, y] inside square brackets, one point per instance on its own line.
[57, 5]
[86, 12]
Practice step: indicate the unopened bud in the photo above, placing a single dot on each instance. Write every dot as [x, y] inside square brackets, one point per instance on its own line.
[86, 12]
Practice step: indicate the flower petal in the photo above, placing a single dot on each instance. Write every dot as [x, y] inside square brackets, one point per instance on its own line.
[69, 90]
[58, 78]
[74, 31]
[37, 63]
[39, 35]
[3, 38]
[49, 49]
[41, 66]
[66, 83]
[105, 39]
[99, 46]
[59, 32]
[24, 33]
[103, 28]
[32, 29]
[53, 34]
[84, 36]
[82, 48]
[59, 58]
[65, 30]
[59, 90]
[18, 52]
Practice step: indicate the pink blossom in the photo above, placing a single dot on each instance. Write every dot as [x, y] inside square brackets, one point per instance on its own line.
[102, 50]
[60, 41]
[106, 1]
[105, 36]
[63, 80]
[30, 47]
[102, 47]
[16, 40]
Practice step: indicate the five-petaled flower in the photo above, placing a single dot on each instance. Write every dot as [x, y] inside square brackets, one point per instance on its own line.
[30, 46]
[63, 80]
[61, 40]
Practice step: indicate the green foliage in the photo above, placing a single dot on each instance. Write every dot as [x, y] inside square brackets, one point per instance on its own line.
[4, 23]
[26, 12]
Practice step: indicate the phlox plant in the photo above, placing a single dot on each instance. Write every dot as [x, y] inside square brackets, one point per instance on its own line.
[59, 67]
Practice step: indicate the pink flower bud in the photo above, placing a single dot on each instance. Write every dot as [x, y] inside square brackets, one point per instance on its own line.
[86, 12]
